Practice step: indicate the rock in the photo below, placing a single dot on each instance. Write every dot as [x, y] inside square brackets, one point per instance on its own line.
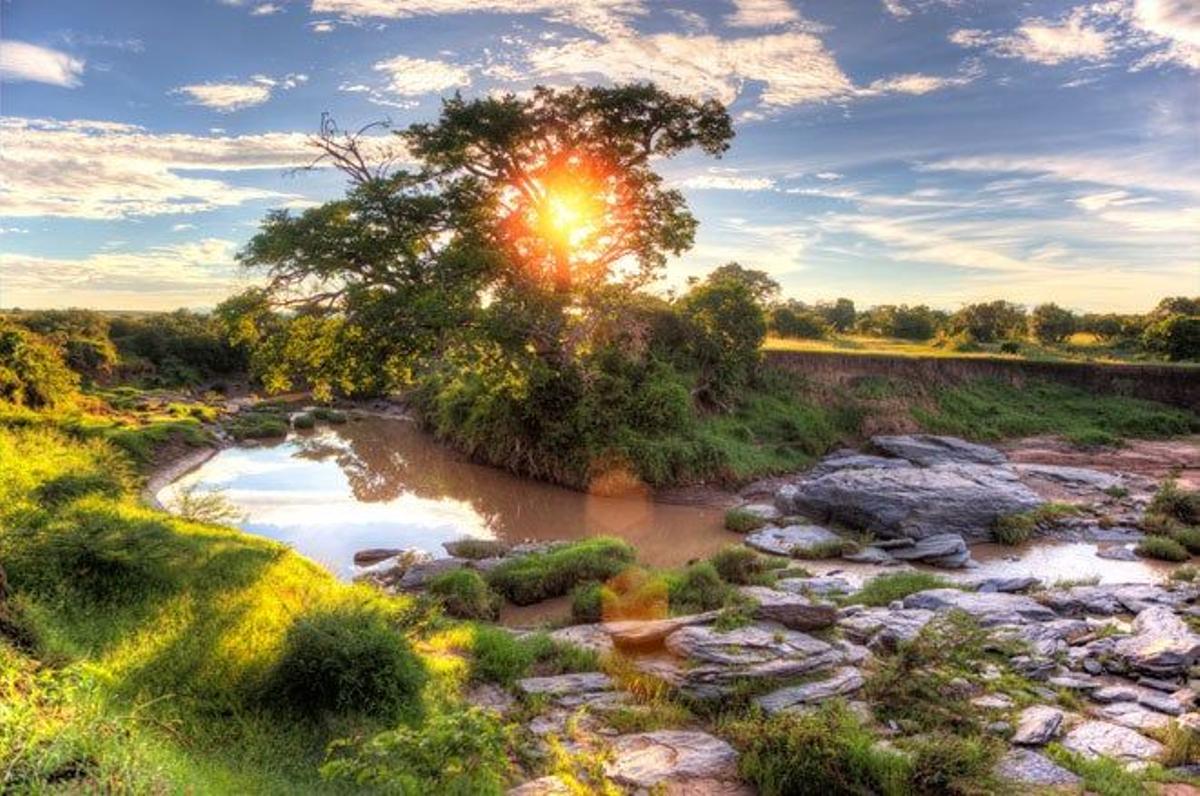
[652, 759]
[1007, 585]
[1075, 682]
[1115, 693]
[764, 649]
[567, 685]
[543, 786]
[1001, 728]
[476, 548]
[764, 511]
[1045, 639]
[1110, 599]
[1163, 703]
[1161, 645]
[491, 697]
[926, 450]
[1166, 686]
[418, 575]
[847, 459]
[842, 681]
[987, 608]
[1038, 725]
[373, 555]
[992, 702]
[912, 502]
[590, 637]
[1073, 477]
[786, 541]
[1117, 553]
[1026, 767]
[649, 633]
[871, 555]
[387, 572]
[790, 610]
[947, 550]
[884, 628]
[1094, 739]
[1133, 716]
[821, 585]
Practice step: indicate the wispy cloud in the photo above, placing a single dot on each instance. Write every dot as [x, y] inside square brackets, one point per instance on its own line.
[1043, 41]
[24, 62]
[762, 13]
[411, 77]
[234, 96]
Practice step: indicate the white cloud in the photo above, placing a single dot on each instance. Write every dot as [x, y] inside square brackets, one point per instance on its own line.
[1104, 199]
[229, 97]
[182, 227]
[321, 26]
[24, 62]
[897, 9]
[411, 77]
[605, 17]
[915, 83]
[828, 175]
[1044, 41]
[198, 273]
[107, 170]
[1174, 27]
[762, 13]
[266, 9]
[727, 182]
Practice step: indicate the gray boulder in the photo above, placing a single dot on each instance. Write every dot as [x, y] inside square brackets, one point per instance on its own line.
[1112, 598]
[792, 539]
[947, 550]
[872, 555]
[671, 757]
[994, 608]
[1162, 644]
[884, 628]
[843, 681]
[790, 610]
[926, 450]
[821, 585]
[913, 502]
[643, 633]
[1095, 738]
[1078, 478]
[1026, 767]
[418, 575]
[1133, 716]
[1038, 725]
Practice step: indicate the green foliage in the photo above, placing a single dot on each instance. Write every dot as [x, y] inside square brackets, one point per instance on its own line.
[821, 752]
[257, 423]
[32, 371]
[350, 659]
[697, 588]
[738, 564]
[174, 348]
[1177, 505]
[885, 589]
[1189, 538]
[988, 409]
[464, 594]
[304, 421]
[1101, 775]
[1176, 336]
[795, 320]
[497, 656]
[328, 415]
[989, 322]
[1050, 323]
[727, 330]
[901, 322]
[1188, 573]
[205, 505]
[531, 578]
[742, 521]
[587, 603]
[1163, 548]
[464, 753]
[1014, 529]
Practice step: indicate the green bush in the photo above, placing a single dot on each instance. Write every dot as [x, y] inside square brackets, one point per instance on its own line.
[742, 521]
[738, 564]
[1176, 336]
[885, 589]
[32, 371]
[1188, 573]
[464, 594]
[946, 763]
[257, 424]
[497, 656]
[304, 421]
[68, 487]
[1189, 538]
[697, 588]
[587, 603]
[329, 415]
[827, 751]
[345, 660]
[1163, 548]
[830, 549]
[538, 576]
[462, 753]
[1171, 502]
[1014, 529]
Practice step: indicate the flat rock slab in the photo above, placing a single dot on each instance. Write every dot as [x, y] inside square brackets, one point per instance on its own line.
[1104, 739]
[1162, 644]
[590, 637]
[373, 555]
[1132, 715]
[1027, 767]
[1110, 599]
[791, 610]
[567, 684]
[764, 511]
[947, 550]
[787, 541]
[884, 628]
[418, 575]
[845, 680]
[1072, 477]
[927, 450]
[821, 585]
[651, 759]
[644, 634]
[872, 555]
[1038, 725]
[543, 786]
[912, 502]
[994, 608]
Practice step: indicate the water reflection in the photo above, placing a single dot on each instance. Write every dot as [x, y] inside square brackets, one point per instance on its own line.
[382, 482]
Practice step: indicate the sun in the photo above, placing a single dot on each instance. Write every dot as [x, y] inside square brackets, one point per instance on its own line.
[569, 215]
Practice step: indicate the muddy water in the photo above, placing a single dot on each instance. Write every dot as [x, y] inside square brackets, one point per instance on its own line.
[381, 482]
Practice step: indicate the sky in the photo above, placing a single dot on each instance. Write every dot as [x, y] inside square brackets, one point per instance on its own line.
[890, 151]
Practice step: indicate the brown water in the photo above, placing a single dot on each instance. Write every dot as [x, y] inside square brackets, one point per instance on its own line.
[381, 482]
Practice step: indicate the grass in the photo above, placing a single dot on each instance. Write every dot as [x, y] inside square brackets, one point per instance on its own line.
[258, 423]
[1014, 529]
[1100, 775]
[742, 521]
[742, 566]
[497, 656]
[539, 576]
[1172, 509]
[991, 410]
[464, 594]
[163, 653]
[1162, 548]
[1188, 573]
[883, 590]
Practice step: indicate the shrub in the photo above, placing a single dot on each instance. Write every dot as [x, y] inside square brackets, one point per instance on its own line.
[461, 753]
[1189, 538]
[1010, 347]
[63, 489]
[830, 549]
[587, 605]
[740, 565]
[885, 589]
[345, 660]
[1014, 529]
[634, 594]
[1180, 505]
[945, 763]
[742, 521]
[990, 321]
[1163, 548]
[206, 505]
[1187, 573]
[32, 371]
[1050, 323]
[726, 330]
[257, 424]
[796, 320]
[304, 421]
[329, 415]
[464, 594]
[698, 588]
[1176, 336]
[821, 752]
[538, 576]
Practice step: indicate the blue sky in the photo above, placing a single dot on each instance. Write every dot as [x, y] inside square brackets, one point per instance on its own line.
[919, 151]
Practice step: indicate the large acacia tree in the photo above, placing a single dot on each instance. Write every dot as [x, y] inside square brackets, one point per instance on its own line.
[524, 210]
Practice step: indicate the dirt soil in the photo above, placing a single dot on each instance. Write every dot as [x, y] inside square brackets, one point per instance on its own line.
[1153, 459]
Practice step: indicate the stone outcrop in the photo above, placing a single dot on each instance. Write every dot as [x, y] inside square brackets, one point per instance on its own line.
[948, 550]
[791, 610]
[1104, 739]
[988, 608]
[927, 450]
[1026, 767]
[652, 759]
[1161, 645]
[883, 628]
[794, 540]
[1037, 725]
[845, 680]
